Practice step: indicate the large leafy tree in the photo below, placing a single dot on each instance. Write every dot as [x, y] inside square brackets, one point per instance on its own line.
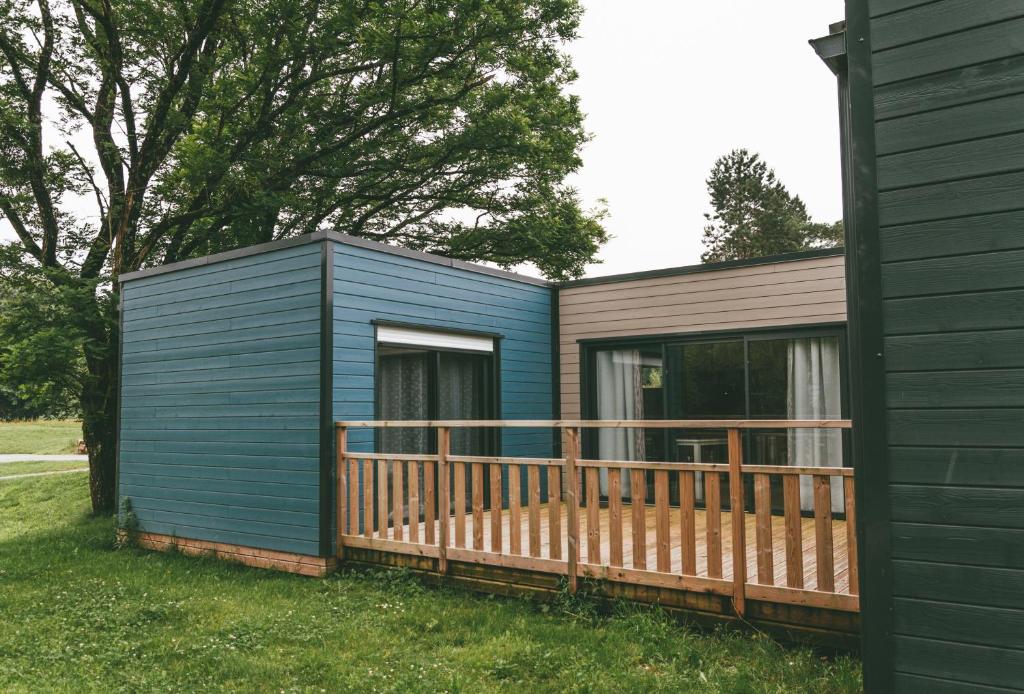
[139, 132]
[753, 215]
[41, 360]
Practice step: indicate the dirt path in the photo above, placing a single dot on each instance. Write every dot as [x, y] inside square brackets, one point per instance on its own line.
[42, 474]
[30, 458]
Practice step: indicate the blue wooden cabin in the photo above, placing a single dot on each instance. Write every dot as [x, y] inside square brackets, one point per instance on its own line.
[235, 367]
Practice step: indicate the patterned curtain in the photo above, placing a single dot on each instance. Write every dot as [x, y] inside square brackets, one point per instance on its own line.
[403, 395]
[460, 389]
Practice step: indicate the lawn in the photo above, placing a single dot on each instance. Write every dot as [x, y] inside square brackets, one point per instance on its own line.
[41, 436]
[81, 615]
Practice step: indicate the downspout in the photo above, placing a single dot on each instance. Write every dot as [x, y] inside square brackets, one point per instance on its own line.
[851, 64]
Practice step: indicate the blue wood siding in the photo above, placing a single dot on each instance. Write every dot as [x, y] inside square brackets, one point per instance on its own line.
[374, 285]
[220, 390]
[220, 411]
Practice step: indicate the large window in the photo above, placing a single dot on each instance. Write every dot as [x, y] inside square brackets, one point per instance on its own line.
[794, 375]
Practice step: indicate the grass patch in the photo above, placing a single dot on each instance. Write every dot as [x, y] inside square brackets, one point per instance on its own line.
[40, 436]
[22, 467]
[81, 616]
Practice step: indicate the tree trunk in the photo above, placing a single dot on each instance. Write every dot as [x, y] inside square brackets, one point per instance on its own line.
[100, 404]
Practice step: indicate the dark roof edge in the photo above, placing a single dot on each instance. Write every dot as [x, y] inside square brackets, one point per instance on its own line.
[337, 237]
[706, 267]
[436, 259]
[832, 48]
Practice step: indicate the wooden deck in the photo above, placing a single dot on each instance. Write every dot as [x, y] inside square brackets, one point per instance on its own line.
[809, 553]
[488, 522]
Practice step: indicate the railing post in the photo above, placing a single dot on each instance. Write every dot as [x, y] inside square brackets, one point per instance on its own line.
[443, 448]
[572, 439]
[851, 535]
[340, 444]
[739, 540]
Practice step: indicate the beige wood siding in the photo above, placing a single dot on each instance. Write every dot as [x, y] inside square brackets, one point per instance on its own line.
[795, 292]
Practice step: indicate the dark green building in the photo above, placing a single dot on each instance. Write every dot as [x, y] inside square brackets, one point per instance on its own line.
[932, 105]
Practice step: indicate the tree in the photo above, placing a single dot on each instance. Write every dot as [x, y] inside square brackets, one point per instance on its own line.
[41, 362]
[138, 132]
[754, 215]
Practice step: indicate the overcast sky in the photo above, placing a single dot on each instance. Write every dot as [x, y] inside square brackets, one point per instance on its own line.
[670, 86]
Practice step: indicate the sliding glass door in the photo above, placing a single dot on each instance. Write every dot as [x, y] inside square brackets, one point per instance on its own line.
[795, 375]
[705, 380]
[425, 383]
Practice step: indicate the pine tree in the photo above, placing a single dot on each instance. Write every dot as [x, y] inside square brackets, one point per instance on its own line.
[754, 215]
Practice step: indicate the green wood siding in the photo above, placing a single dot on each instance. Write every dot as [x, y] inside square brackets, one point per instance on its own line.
[220, 389]
[947, 95]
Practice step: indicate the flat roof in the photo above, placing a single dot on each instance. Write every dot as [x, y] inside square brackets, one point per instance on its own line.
[338, 237]
[706, 267]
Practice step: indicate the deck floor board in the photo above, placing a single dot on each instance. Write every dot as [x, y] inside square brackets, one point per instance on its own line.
[840, 556]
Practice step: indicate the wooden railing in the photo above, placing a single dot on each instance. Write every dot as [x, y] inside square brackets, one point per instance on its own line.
[418, 504]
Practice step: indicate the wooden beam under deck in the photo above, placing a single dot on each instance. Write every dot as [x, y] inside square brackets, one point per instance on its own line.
[789, 622]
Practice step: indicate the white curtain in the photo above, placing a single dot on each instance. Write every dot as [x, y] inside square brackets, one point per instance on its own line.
[619, 396]
[813, 392]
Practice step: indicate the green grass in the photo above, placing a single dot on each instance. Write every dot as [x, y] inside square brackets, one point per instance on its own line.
[40, 437]
[22, 467]
[79, 615]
